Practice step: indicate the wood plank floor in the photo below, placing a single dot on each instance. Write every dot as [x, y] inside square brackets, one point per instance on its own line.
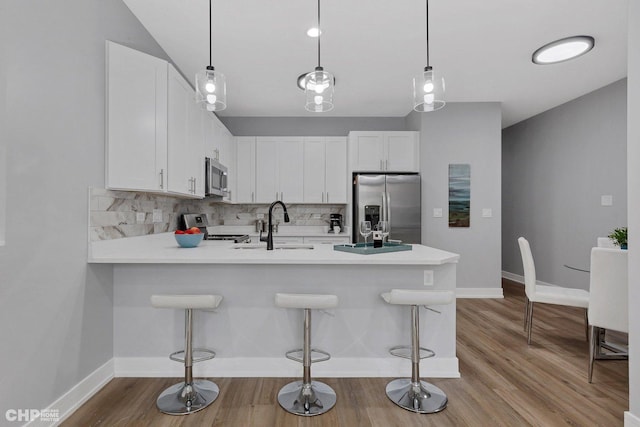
[504, 383]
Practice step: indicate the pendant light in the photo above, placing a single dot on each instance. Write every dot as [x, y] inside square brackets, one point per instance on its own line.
[319, 84]
[428, 90]
[211, 85]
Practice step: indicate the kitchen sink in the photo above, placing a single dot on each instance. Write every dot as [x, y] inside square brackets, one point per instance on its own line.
[282, 246]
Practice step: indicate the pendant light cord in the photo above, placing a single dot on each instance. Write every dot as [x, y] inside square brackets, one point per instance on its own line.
[427, 20]
[210, 36]
[319, 33]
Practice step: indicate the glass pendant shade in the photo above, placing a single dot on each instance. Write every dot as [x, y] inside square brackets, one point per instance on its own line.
[428, 91]
[211, 90]
[318, 88]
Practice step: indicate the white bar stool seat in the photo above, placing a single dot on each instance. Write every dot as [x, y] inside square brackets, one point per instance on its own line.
[413, 394]
[307, 397]
[190, 395]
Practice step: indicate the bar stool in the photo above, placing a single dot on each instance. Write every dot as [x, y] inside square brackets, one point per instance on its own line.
[307, 397]
[190, 395]
[413, 394]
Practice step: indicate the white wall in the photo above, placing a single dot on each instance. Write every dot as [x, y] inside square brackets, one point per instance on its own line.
[56, 312]
[463, 133]
[555, 168]
[633, 185]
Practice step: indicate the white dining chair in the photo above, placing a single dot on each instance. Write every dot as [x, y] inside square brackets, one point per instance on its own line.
[606, 242]
[546, 294]
[608, 299]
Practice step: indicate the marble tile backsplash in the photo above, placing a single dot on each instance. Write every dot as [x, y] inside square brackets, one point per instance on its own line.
[113, 214]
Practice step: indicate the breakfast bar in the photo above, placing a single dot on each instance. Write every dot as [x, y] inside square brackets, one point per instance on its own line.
[249, 334]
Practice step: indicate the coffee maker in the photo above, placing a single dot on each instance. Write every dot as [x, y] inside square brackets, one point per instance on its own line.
[335, 223]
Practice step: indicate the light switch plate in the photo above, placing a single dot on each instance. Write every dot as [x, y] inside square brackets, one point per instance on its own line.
[428, 277]
[157, 215]
[437, 212]
[140, 217]
[606, 200]
[260, 216]
[487, 213]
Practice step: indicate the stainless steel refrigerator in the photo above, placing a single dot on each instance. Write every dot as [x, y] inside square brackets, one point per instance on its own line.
[391, 197]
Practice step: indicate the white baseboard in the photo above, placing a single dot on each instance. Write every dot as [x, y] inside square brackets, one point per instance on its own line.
[631, 420]
[336, 367]
[79, 394]
[479, 293]
[520, 279]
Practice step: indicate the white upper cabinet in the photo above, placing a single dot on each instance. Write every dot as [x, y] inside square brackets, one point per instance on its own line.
[279, 169]
[245, 170]
[325, 170]
[185, 139]
[384, 151]
[136, 151]
[155, 130]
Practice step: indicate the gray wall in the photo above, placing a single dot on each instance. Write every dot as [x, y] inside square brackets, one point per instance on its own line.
[56, 312]
[633, 159]
[555, 167]
[309, 126]
[463, 133]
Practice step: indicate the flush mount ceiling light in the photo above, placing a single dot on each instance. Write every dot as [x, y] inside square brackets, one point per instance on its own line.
[318, 85]
[313, 32]
[211, 85]
[563, 50]
[428, 91]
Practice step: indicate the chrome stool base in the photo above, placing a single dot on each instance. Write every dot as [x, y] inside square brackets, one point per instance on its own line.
[183, 398]
[421, 397]
[309, 399]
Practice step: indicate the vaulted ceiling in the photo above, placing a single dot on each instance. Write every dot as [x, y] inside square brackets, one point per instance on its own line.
[374, 47]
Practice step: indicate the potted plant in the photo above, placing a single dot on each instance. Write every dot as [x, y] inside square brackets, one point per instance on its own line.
[619, 237]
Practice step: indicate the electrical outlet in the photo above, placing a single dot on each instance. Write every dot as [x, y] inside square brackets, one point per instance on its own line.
[317, 216]
[606, 200]
[437, 212]
[260, 216]
[140, 217]
[157, 215]
[428, 277]
[487, 213]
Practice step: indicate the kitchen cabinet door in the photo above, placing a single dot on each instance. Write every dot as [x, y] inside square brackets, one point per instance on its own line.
[185, 138]
[136, 120]
[336, 176]
[325, 170]
[279, 175]
[384, 151]
[245, 170]
[402, 152]
[368, 151]
[267, 189]
[290, 169]
[314, 170]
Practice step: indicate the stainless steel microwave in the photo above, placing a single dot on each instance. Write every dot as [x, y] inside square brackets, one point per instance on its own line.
[215, 178]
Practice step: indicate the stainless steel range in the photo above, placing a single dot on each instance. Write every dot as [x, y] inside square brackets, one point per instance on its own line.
[200, 220]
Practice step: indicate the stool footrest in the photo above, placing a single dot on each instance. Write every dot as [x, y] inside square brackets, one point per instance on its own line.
[404, 351]
[199, 355]
[298, 355]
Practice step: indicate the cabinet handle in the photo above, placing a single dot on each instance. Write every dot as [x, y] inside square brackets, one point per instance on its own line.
[194, 186]
[229, 195]
[281, 196]
[327, 197]
[161, 178]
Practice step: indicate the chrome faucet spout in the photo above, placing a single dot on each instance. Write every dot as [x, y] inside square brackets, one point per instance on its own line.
[269, 238]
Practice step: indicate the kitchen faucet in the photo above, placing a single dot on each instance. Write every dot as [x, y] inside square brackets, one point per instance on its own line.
[269, 238]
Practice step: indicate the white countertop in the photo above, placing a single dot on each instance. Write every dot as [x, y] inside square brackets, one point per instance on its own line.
[163, 249]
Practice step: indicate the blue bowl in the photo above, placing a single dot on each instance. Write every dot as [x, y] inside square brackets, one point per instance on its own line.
[189, 240]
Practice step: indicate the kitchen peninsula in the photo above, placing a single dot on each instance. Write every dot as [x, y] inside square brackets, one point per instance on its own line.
[249, 334]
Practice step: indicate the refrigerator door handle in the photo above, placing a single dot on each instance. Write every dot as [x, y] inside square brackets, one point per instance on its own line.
[388, 213]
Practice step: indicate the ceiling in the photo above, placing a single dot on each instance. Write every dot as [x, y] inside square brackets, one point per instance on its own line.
[374, 47]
